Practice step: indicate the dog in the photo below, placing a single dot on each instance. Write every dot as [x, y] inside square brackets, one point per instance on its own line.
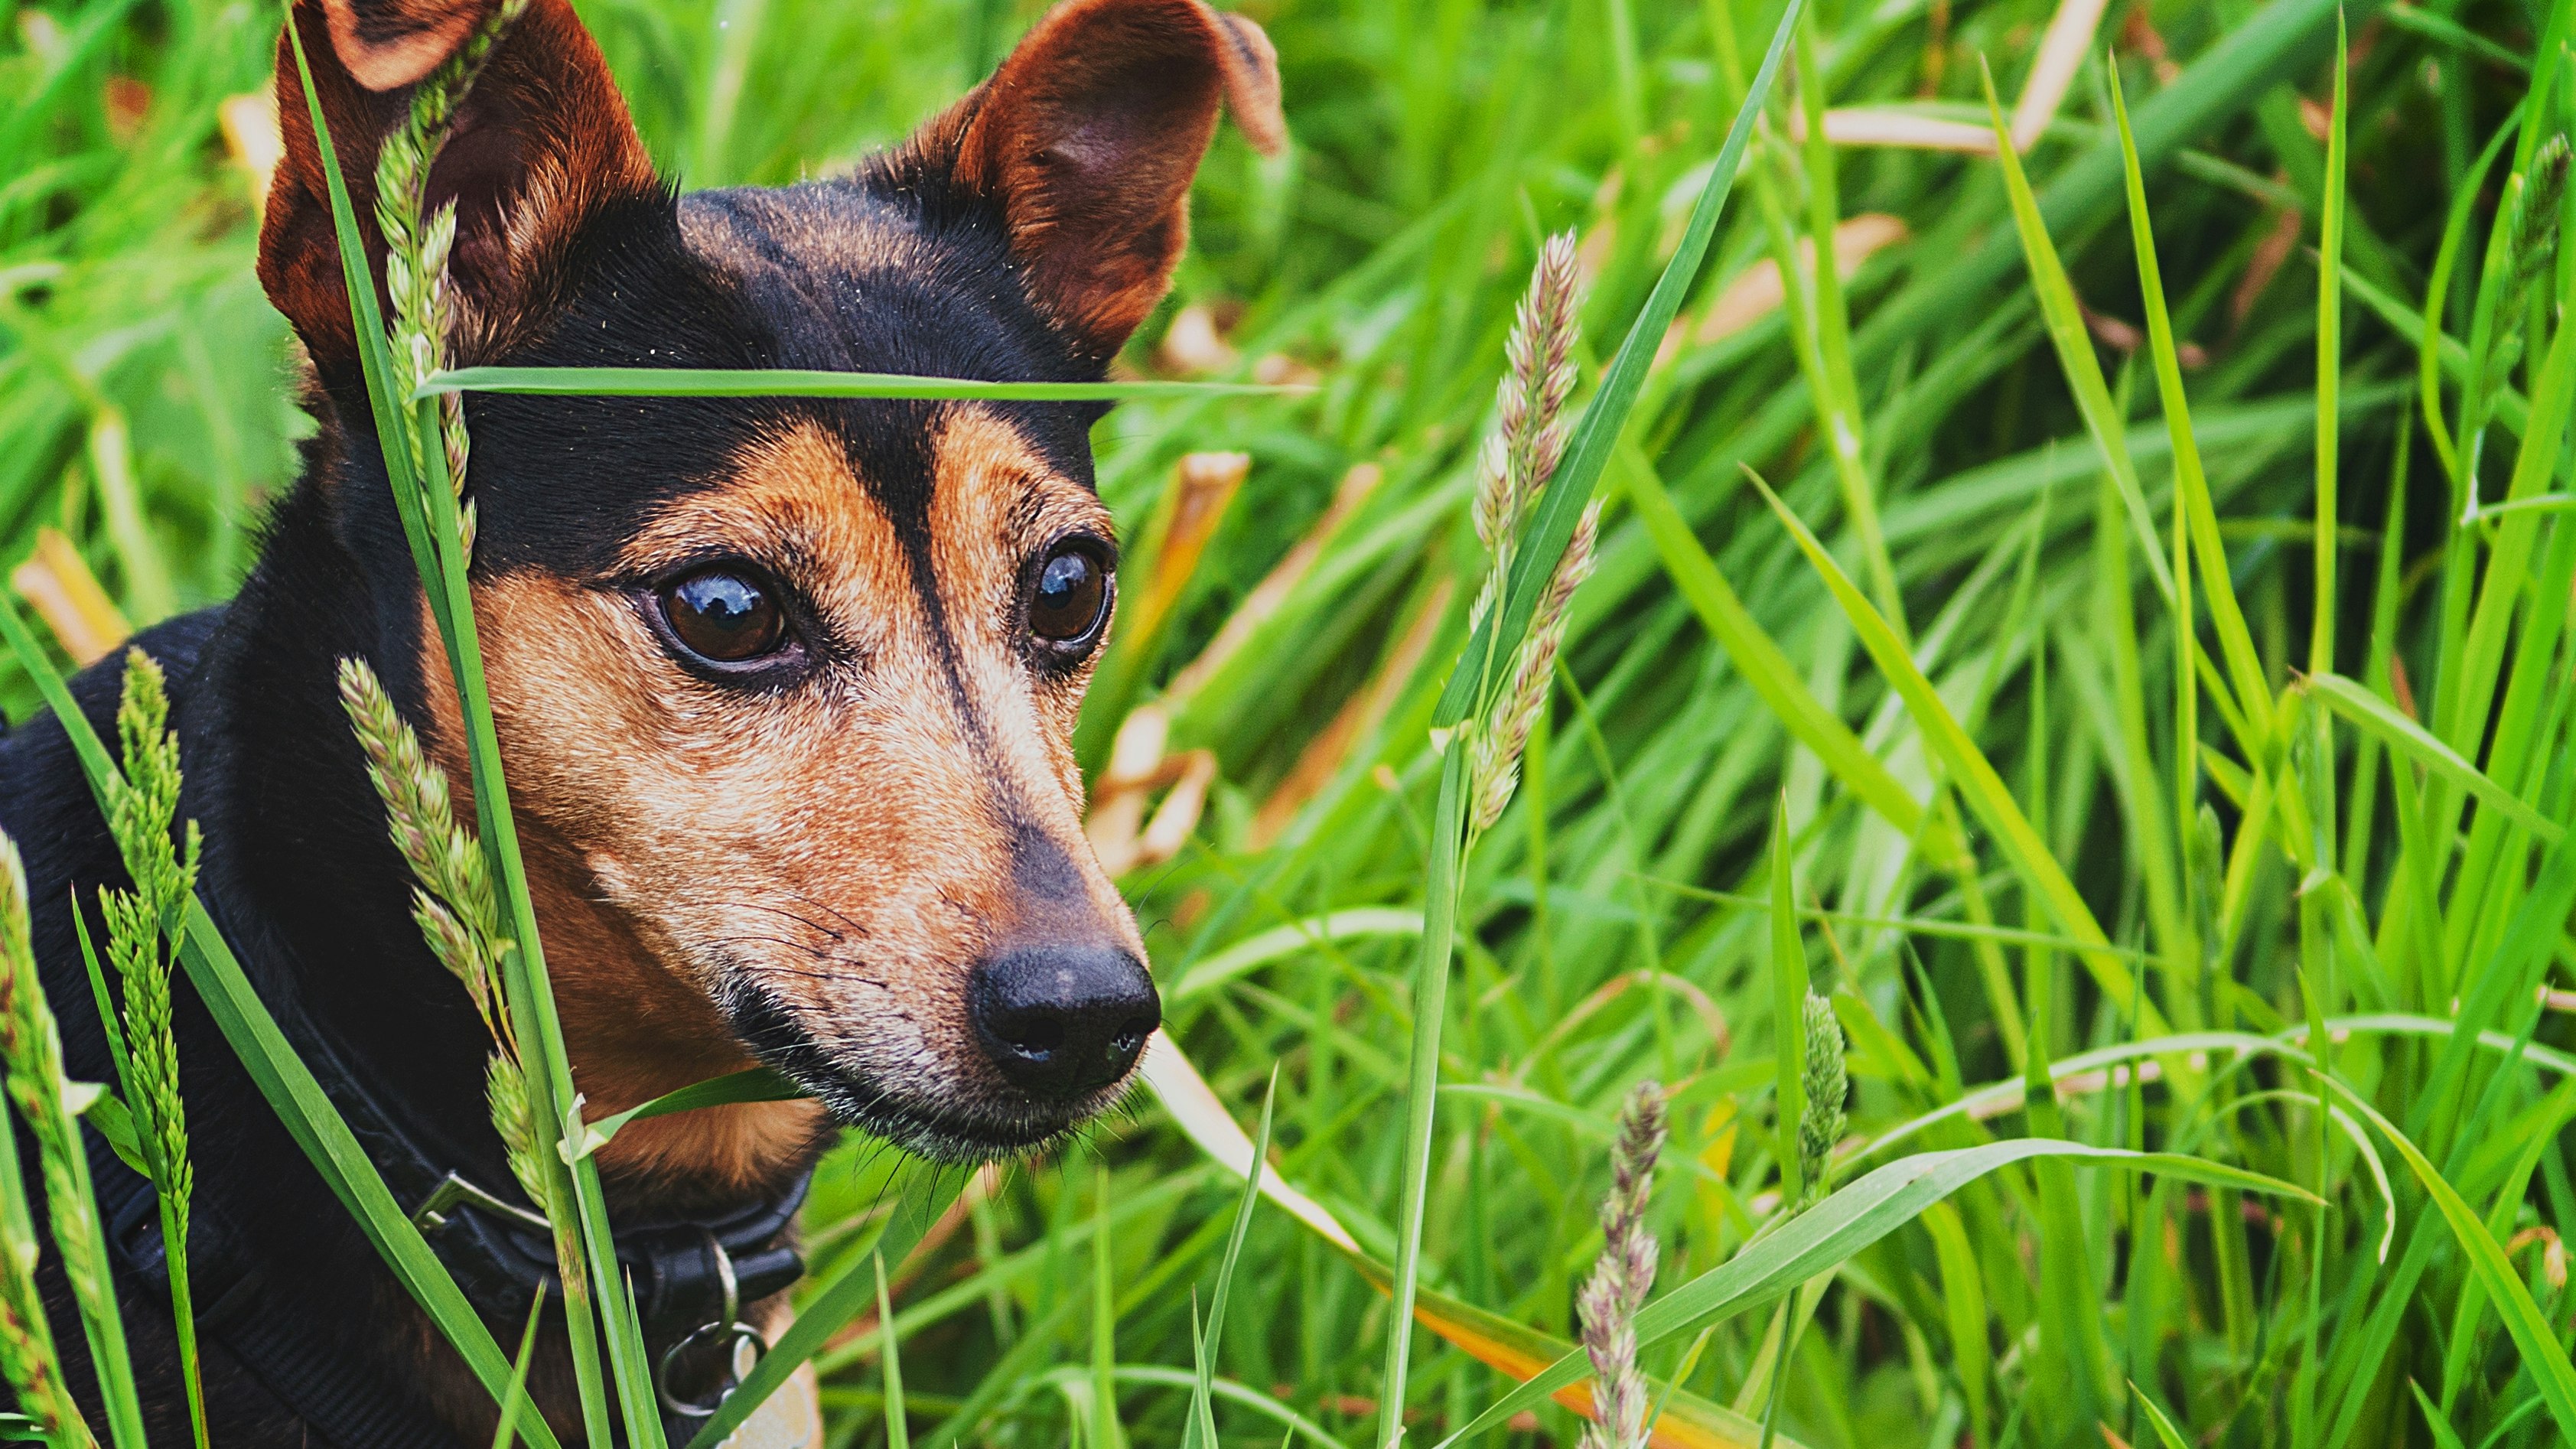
[784, 691]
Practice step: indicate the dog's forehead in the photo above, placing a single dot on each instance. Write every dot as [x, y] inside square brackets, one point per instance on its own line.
[843, 276]
[830, 276]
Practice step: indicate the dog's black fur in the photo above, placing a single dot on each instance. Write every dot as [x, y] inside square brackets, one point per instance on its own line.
[297, 866]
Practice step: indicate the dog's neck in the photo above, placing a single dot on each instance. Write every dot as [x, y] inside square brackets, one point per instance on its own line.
[297, 844]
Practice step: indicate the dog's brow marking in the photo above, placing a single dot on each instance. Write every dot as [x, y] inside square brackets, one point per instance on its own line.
[994, 504]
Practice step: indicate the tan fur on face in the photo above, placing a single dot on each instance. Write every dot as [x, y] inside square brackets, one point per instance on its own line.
[845, 844]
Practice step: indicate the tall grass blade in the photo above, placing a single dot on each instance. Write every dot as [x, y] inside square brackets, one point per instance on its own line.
[2329, 368]
[1200, 1432]
[2103, 420]
[1422, 1083]
[898, 1421]
[506, 1432]
[2251, 695]
[1105, 1430]
[1789, 988]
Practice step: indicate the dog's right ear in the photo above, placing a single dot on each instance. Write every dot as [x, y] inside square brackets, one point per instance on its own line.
[540, 145]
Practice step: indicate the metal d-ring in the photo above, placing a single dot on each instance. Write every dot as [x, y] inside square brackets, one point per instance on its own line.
[724, 1329]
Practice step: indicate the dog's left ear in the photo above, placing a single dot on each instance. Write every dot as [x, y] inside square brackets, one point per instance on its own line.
[541, 145]
[1087, 139]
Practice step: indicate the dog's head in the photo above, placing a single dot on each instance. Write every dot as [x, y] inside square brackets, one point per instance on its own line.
[786, 687]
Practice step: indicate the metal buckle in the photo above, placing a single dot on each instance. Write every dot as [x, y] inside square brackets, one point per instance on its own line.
[454, 1191]
[747, 1344]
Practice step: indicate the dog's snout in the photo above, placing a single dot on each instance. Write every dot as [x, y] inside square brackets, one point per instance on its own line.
[1063, 1020]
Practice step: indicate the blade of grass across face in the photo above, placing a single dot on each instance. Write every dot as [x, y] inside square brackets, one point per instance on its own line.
[1596, 435]
[1842, 1225]
[288, 1084]
[1973, 775]
[800, 382]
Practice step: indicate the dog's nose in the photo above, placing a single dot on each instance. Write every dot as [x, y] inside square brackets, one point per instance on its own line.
[1062, 1020]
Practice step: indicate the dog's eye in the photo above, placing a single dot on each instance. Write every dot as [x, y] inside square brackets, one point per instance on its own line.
[722, 616]
[1071, 597]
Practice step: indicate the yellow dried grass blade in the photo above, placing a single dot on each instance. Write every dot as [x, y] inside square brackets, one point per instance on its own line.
[67, 596]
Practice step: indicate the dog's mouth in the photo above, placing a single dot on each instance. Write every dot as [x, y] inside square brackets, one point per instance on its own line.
[958, 1120]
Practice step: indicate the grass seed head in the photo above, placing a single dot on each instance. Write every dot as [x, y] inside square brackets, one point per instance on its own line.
[31, 1053]
[514, 1118]
[1529, 423]
[1828, 1083]
[1608, 1304]
[455, 906]
[2535, 233]
[1500, 744]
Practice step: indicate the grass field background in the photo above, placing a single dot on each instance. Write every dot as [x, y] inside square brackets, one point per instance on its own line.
[1269, 805]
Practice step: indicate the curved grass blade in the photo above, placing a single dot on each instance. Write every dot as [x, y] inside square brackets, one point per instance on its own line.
[752, 1084]
[1687, 1421]
[2404, 735]
[1844, 1224]
[2532, 1333]
[2166, 1433]
[2195, 516]
[1765, 666]
[2064, 318]
[807, 382]
[1587, 453]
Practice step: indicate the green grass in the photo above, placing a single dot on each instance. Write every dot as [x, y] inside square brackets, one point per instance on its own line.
[2020, 814]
